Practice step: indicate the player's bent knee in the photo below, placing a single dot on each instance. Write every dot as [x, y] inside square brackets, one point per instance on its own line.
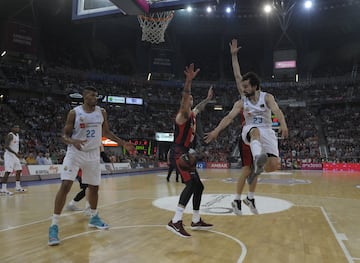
[272, 164]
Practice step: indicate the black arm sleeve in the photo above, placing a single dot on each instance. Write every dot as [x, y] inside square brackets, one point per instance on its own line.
[105, 157]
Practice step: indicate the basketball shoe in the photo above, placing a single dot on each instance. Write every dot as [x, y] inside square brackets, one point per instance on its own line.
[178, 229]
[201, 225]
[236, 204]
[20, 190]
[53, 236]
[95, 221]
[259, 163]
[251, 204]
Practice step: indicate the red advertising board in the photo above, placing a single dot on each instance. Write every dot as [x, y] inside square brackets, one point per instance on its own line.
[341, 167]
[219, 165]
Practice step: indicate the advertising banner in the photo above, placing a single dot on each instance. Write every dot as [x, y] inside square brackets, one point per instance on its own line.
[219, 165]
[162, 164]
[44, 169]
[311, 166]
[201, 165]
[25, 170]
[119, 166]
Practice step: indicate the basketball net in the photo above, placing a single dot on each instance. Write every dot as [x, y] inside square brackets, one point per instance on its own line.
[153, 26]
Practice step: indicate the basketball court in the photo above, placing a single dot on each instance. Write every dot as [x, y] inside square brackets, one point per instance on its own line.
[303, 217]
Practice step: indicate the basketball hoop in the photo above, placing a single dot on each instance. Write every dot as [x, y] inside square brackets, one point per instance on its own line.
[153, 26]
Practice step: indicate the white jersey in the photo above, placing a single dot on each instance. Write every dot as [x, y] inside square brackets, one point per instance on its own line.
[258, 115]
[14, 143]
[88, 126]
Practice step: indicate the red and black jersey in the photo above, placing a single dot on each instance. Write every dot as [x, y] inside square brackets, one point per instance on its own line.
[185, 133]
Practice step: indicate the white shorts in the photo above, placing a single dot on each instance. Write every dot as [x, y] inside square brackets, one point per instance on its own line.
[268, 139]
[11, 162]
[88, 162]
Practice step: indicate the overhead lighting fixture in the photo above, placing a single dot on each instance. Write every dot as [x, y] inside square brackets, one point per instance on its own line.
[267, 9]
[3, 53]
[308, 4]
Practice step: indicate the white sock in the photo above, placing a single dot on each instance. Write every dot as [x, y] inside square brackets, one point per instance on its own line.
[196, 216]
[251, 195]
[93, 212]
[18, 186]
[4, 187]
[55, 219]
[255, 147]
[237, 197]
[178, 214]
[87, 204]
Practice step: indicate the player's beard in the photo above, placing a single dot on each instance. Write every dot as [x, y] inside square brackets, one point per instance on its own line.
[248, 95]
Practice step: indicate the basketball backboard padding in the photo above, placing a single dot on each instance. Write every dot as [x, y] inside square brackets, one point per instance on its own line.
[89, 9]
[165, 5]
[132, 7]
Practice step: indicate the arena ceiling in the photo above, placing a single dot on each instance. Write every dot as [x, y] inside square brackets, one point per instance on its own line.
[330, 24]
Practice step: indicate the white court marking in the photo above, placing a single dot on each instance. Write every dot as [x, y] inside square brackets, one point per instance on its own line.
[339, 236]
[220, 204]
[241, 244]
[65, 214]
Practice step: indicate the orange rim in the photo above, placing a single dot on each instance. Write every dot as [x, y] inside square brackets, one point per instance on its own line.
[156, 19]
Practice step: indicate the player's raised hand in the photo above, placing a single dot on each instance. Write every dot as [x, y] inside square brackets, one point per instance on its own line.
[190, 73]
[234, 49]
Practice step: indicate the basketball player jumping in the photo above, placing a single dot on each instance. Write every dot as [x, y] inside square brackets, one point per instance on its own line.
[257, 132]
[246, 157]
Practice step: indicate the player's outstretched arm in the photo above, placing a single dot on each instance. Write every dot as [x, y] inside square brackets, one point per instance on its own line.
[224, 122]
[185, 109]
[107, 133]
[234, 49]
[201, 106]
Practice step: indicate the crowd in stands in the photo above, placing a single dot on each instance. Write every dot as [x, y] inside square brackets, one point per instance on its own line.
[39, 101]
[342, 131]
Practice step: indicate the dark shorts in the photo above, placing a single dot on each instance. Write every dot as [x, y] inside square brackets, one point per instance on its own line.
[177, 151]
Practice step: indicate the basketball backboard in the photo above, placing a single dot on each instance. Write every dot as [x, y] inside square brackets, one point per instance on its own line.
[83, 9]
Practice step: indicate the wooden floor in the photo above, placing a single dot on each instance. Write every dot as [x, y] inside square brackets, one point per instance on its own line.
[322, 225]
